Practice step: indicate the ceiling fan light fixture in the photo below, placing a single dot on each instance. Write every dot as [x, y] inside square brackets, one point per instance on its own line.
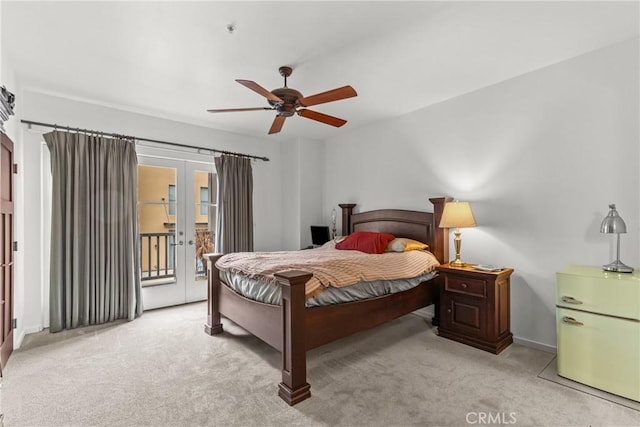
[286, 110]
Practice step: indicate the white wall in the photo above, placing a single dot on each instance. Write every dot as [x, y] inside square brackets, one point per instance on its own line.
[268, 189]
[291, 187]
[539, 157]
[311, 166]
[303, 184]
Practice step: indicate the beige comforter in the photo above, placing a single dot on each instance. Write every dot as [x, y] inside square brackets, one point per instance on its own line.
[330, 266]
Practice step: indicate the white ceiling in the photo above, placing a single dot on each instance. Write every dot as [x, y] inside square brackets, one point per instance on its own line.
[177, 59]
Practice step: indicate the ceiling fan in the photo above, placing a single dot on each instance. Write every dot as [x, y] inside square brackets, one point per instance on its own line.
[287, 102]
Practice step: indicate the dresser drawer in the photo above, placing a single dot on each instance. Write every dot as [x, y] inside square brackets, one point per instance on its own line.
[594, 290]
[466, 285]
[600, 351]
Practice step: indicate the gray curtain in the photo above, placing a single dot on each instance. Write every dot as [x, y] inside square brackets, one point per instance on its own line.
[212, 186]
[95, 261]
[234, 222]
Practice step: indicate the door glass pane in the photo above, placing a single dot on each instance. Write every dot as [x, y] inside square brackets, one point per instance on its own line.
[157, 216]
[204, 220]
[172, 199]
[204, 201]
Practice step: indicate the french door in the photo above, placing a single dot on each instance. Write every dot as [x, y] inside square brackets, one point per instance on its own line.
[176, 211]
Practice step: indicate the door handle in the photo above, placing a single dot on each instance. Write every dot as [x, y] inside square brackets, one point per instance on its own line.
[571, 321]
[180, 242]
[570, 300]
[191, 242]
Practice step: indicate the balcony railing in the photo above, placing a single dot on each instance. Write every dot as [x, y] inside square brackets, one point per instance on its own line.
[157, 255]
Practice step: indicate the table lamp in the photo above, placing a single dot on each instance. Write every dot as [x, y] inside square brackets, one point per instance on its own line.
[613, 224]
[457, 215]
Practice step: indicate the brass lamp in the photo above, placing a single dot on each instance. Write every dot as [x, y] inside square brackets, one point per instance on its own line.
[613, 224]
[457, 215]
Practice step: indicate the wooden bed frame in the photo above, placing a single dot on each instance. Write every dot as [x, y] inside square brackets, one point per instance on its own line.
[292, 328]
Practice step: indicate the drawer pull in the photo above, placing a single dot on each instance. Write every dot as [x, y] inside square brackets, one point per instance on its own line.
[570, 300]
[464, 285]
[571, 321]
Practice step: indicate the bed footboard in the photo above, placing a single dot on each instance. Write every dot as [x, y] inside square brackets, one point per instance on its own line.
[289, 337]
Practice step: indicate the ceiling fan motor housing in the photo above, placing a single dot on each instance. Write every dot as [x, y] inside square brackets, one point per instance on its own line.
[291, 101]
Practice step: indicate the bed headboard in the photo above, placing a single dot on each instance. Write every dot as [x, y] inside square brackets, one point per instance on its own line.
[422, 226]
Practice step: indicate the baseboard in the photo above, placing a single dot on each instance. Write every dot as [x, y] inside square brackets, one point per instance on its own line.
[534, 344]
[31, 330]
[17, 342]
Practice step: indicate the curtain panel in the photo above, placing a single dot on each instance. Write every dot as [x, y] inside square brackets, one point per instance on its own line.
[212, 186]
[95, 263]
[234, 220]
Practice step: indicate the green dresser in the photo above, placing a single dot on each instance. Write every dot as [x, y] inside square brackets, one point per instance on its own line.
[598, 325]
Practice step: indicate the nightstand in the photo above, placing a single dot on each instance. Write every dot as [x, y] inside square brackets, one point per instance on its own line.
[475, 307]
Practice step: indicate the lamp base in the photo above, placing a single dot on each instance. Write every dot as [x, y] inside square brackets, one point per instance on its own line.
[457, 263]
[618, 267]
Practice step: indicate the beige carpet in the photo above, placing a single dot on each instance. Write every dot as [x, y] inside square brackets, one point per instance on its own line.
[163, 370]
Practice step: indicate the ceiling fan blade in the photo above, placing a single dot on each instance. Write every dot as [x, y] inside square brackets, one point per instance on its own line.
[328, 96]
[259, 89]
[320, 117]
[229, 110]
[276, 126]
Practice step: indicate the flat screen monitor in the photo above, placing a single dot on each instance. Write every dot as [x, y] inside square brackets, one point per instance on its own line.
[320, 235]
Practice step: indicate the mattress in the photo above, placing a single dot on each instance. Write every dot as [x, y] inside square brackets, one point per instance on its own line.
[270, 293]
[329, 266]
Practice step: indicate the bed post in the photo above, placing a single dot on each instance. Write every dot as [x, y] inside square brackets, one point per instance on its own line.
[347, 210]
[294, 387]
[213, 325]
[440, 248]
[441, 235]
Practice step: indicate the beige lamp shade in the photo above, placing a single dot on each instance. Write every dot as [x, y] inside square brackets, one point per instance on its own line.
[457, 215]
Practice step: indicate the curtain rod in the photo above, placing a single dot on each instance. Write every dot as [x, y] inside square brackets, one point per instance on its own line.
[157, 141]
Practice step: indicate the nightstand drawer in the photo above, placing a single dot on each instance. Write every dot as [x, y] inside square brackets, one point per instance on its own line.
[466, 286]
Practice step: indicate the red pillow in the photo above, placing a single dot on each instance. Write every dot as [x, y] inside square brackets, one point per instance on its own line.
[366, 241]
